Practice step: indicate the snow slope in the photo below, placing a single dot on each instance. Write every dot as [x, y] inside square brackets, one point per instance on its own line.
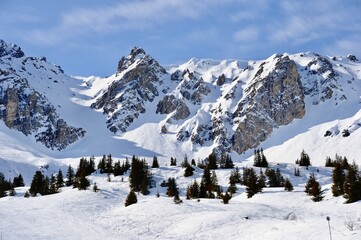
[273, 214]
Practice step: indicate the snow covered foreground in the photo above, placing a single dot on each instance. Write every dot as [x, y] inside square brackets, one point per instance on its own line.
[273, 214]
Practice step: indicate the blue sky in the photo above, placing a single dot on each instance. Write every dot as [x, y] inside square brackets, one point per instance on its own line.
[88, 37]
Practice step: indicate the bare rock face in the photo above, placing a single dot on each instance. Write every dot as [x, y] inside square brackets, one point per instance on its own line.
[140, 80]
[273, 101]
[170, 104]
[28, 111]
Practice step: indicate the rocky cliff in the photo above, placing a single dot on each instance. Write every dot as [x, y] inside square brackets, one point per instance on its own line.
[27, 110]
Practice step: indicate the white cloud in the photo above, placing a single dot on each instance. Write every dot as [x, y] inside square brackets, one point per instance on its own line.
[306, 21]
[246, 34]
[132, 15]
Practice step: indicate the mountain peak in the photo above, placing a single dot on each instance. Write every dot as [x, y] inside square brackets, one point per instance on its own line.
[10, 49]
[136, 53]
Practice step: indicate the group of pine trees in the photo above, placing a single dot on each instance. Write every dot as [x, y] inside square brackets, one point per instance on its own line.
[140, 179]
[44, 185]
[8, 186]
[346, 179]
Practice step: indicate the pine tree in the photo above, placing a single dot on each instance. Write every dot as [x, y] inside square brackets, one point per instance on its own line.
[316, 192]
[251, 185]
[232, 189]
[310, 182]
[235, 177]
[37, 184]
[177, 199]
[352, 184]
[288, 185]
[226, 197]
[229, 162]
[102, 164]
[155, 163]
[264, 162]
[131, 199]
[173, 161]
[328, 162]
[81, 182]
[95, 187]
[53, 189]
[139, 177]
[59, 180]
[338, 179]
[3, 185]
[19, 181]
[304, 159]
[261, 181]
[188, 171]
[70, 176]
[185, 162]
[172, 188]
[27, 194]
[193, 190]
[212, 161]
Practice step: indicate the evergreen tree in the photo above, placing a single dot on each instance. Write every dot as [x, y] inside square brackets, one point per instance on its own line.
[70, 176]
[19, 181]
[288, 185]
[109, 164]
[59, 179]
[310, 182]
[193, 191]
[139, 177]
[188, 171]
[275, 179]
[352, 184]
[95, 187]
[261, 181]
[102, 164]
[81, 182]
[53, 189]
[172, 188]
[131, 199]
[235, 177]
[4, 185]
[214, 182]
[193, 162]
[226, 197]
[185, 162]
[304, 159]
[338, 179]
[328, 162]
[316, 193]
[40, 184]
[297, 172]
[264, 162]
[251, 183]
[212, 161]
[27, 194]
[119, 169]
[173, 161]
[232, 189]
[155, 163]
[177, 199]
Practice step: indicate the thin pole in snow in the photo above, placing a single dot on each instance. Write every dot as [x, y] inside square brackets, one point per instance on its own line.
[329, 227]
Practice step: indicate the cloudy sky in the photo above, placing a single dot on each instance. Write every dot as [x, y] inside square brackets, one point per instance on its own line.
[88, 37]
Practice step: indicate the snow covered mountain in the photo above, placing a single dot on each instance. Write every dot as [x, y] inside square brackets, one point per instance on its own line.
[24, 98]
[197, 107]
[227, 105]
[286, 103]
